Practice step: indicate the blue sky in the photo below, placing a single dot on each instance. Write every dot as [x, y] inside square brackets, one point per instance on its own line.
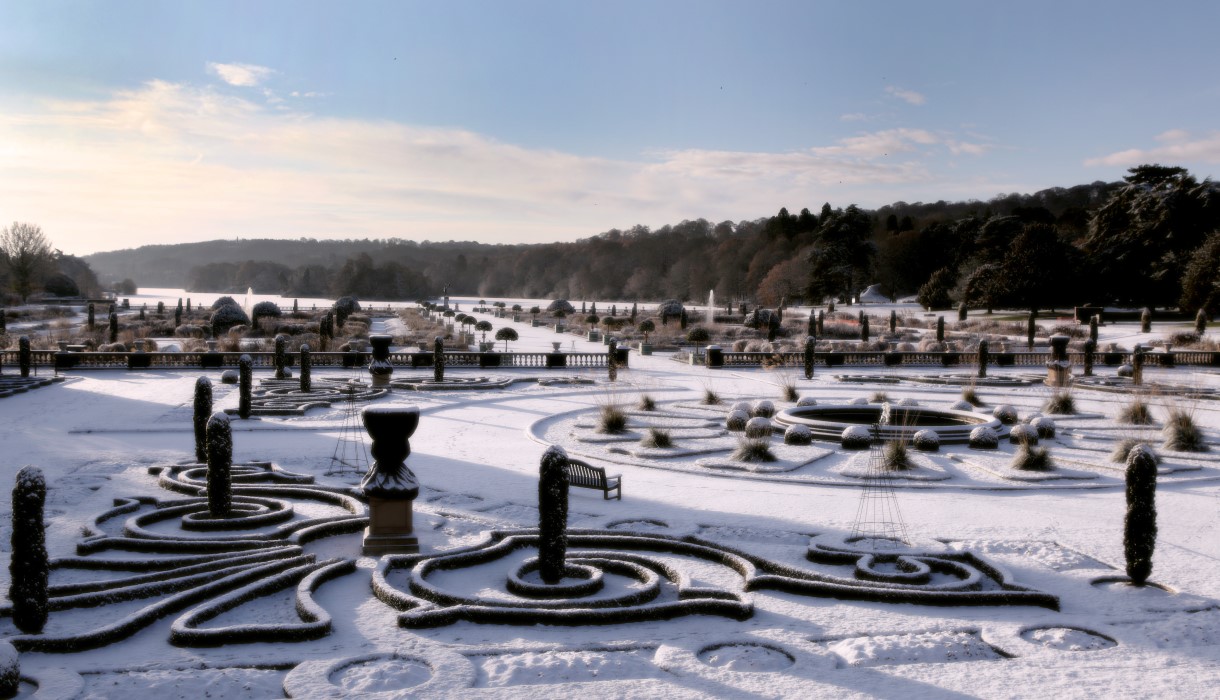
[124, 123]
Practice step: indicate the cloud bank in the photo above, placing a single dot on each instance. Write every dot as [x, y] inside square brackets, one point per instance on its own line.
[171, 162]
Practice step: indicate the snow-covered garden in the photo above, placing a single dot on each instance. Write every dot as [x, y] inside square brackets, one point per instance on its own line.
[719, 573]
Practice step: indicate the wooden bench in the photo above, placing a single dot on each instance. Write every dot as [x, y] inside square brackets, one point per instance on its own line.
[591, 477]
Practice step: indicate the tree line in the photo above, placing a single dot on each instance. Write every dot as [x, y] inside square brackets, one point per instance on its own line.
[1146, 240]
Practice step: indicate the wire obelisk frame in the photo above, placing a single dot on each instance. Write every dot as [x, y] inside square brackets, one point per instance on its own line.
[351, 456]
[879, 523]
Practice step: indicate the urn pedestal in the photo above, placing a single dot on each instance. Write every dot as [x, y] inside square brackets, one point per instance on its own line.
[380, 367]
[390, 485]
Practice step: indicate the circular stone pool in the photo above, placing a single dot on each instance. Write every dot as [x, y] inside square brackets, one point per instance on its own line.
[828, 422]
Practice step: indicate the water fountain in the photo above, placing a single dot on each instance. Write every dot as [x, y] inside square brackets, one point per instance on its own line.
[711, 306]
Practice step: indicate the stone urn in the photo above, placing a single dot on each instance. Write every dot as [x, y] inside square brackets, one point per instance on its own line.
[556, 345]
[390, 485]
[380, 367]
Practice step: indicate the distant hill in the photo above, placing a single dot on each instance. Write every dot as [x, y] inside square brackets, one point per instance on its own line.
[681, 261]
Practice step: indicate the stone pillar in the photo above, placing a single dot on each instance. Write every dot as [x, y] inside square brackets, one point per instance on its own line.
[380, 367]
[1059, 369]
[390, 485]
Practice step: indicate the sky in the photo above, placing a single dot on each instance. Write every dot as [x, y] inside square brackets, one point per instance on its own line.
[128, 123]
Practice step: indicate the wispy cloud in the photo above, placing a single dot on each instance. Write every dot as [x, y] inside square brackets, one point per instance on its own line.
[908, 96]
[178, 162]
[240, 74]
[1177, 146]
[856, 117]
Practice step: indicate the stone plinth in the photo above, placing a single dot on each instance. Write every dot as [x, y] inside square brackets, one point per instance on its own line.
[1059, 369]
[391, 528]
[390, 485]
[380, 367]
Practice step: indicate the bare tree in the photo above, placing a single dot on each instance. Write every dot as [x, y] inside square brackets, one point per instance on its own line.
[27, 254]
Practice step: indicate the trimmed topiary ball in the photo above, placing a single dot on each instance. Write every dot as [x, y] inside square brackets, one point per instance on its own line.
[984, 438]
[1006, 414]
[806, 401]
[859, 401]
[961, 406]
[758, 427]
[10, 670]
[856, 437]
[226, 317]
[762, 409]
[798, 435]
[737, 421]
[742, 406]
[1044, 425]
[926, 441]
[1023, 434]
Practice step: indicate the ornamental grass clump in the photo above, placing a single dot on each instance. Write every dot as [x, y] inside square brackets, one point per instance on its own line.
[896, 457]
[754, 451]
[657, 437]
[1136, 413]
[710, 397]
[1030, 458]
[1122, 450]
[611, 420]
[787, 388]
[1181, 433]
[1060, 402]
[647, 403]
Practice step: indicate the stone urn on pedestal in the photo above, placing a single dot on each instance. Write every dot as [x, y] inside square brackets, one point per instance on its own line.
[1059, 369]
[390, 485]
[380, 368]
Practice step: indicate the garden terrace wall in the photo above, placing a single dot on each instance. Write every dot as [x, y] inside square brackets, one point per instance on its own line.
[941, 359]
[266, 360]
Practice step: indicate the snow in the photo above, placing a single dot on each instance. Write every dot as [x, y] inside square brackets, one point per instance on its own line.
[476, 456]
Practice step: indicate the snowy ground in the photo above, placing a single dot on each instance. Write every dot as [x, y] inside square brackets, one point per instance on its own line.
[476, 453]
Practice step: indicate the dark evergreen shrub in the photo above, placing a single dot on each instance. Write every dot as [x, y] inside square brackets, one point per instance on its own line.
[92, 317]
[961, 312]
[1031, 327]
[940, 329]
[984, 356]
[808, 357]
[821, 323]
[1146, 320]
[226, 317]
[264, 309]
[893, 321]
[611, 359]
[552, 514]
[1093, 328]
[29, 568]
[244, 385]
[1139, 530]
[281, 356]
[438, 360]
[561, 305]
[225, 301]
[220, 465]
[178, 316]
[1090, 356]
[864, 328]
[306, 366]
[1201, 322]
[23, 355]
[203, 411]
